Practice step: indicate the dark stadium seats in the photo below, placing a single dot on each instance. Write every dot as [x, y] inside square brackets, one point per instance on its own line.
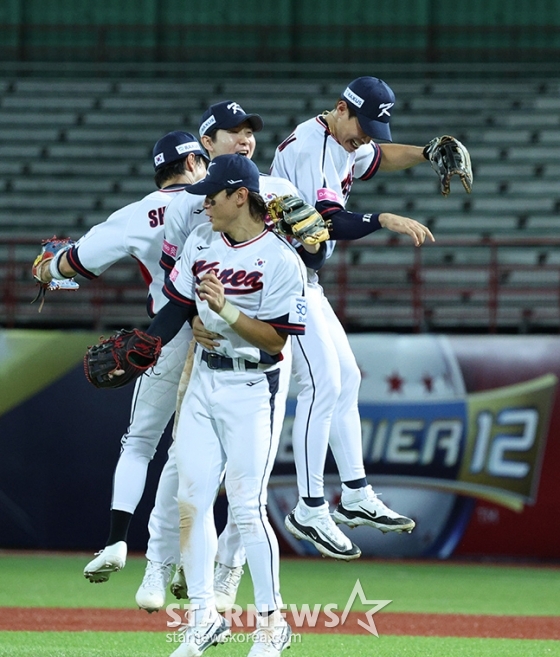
[72, 151]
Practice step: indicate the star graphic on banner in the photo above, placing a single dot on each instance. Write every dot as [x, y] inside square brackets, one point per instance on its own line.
[358, 592]
[395, 383]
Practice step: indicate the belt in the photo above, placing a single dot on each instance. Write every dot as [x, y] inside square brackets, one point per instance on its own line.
[217, 362]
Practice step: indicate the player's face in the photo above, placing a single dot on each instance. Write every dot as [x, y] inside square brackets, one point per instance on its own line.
[238, 140]
[348, 131]
[221, 210]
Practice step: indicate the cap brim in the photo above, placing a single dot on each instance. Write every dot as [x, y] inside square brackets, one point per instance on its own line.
[255, 121]
[375, 129]
[204, 188]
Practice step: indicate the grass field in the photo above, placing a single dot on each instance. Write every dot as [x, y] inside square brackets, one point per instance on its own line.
[51, 580]
[146, 644]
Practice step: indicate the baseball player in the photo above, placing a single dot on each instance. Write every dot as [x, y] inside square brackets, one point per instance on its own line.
[247, 285]
[225, 128]
[137, 230]
[322, 157]
[322, 358]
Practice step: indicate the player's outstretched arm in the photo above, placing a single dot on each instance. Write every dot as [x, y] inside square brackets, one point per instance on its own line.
[52, 262]
[406, 226]
[400, 156]
[259, 334]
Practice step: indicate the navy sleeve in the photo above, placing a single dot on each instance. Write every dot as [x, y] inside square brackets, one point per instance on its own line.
[166, 262]
[169, 321]
[313, 260]
[347, 225]
[75, 263]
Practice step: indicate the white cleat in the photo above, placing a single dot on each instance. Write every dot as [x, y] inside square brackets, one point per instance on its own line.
[314, 524]
[363, 507]
[272, 636]
[226, 583]
[195, 639]
[151, 593]
[179, 584]
[110, 560]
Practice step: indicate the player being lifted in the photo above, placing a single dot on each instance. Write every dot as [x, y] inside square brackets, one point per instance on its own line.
[322, 157]
[137, 230]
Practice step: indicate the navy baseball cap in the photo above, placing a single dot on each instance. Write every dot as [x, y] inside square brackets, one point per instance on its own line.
[227, 172]
[372, 99]
[225, 115]
[175, 146]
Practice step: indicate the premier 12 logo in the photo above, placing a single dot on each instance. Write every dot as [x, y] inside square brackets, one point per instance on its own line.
[487, 445]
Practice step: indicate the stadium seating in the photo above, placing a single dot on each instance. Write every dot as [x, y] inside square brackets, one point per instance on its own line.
[73, 151]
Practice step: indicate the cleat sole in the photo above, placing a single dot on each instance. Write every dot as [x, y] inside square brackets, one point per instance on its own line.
[325, 552]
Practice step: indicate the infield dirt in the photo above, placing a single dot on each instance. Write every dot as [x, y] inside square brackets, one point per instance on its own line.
[390, 623]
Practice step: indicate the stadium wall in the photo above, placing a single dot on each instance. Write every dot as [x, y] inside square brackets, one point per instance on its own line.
[459, 432]
[287, 31]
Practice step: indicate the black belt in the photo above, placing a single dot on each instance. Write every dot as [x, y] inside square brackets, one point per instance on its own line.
[217, 362]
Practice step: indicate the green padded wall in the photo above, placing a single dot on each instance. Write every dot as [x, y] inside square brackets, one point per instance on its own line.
[280, 30]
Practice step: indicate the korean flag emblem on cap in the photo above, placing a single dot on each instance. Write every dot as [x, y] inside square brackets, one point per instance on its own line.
[159, 159]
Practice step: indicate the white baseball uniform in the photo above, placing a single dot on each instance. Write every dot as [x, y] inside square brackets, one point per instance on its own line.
[183, 214]
[323, 363]
[229, 410]
[137, 230]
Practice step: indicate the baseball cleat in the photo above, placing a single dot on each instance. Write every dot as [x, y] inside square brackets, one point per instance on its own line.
[195, 639]
[111, 559]
[363, 507]
[179, 584]
[272, 636]
[314, 524]
[226, 583]
[151, 593]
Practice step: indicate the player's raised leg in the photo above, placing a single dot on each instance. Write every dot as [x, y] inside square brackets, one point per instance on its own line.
[152, 407]
[359, 505]
[317, 373]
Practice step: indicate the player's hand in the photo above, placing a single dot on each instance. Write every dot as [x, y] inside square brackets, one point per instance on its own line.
[207, 339]
[406, 226]
[211, 290]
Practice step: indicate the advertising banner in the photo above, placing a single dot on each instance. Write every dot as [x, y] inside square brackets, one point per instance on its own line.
[439, 436]
[461, 433]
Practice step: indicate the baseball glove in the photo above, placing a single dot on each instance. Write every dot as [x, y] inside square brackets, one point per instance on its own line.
[40, 270]
[120, 359]
[292, 216]
[449, 157]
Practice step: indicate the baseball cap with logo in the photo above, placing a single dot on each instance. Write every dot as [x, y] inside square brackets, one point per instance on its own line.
[372, 99]
[227, 172]
[226, 115]
[175, 146]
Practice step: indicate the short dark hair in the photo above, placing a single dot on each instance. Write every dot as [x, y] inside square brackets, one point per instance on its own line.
[174, 169]
[257, 205]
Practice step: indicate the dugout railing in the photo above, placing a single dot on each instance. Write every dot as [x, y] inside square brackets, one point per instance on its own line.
[485, 285]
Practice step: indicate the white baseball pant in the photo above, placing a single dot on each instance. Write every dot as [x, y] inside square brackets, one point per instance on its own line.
[227, 417]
